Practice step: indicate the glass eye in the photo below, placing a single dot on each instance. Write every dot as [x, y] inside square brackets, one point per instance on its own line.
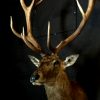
[56, 63]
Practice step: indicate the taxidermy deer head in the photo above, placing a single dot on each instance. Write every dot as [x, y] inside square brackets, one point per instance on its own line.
[50, 69]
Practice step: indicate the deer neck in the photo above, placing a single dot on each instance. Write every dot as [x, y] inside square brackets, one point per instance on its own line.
[60, 89]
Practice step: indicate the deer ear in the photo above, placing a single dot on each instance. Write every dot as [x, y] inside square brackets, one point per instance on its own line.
[70, 60]
[34, 60]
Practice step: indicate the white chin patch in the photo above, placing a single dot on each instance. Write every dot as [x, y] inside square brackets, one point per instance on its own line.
[34, 83]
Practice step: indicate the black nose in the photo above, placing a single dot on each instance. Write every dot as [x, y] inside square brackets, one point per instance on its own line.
[34, 77]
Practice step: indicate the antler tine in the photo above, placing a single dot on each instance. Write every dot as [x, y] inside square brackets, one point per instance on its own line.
[48, 35]
[12, 28]
[29, 39]
[85, 16]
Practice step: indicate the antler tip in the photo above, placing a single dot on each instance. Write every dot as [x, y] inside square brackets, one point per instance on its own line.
[11, 22]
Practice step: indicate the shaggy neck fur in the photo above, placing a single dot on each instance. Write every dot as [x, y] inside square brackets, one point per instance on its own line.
[60, 90]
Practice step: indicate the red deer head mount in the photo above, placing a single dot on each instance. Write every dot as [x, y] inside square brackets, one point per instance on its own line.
[50, 69]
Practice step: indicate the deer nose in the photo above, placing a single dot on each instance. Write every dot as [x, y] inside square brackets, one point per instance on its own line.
[33, 78]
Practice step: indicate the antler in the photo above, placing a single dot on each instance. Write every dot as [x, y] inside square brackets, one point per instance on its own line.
[85, 16]
[29, 39]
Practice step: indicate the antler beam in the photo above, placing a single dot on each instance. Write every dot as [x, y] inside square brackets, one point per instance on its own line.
[29, 39]
[85, 17]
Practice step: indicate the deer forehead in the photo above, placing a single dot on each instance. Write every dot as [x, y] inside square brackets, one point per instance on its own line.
[49, 58]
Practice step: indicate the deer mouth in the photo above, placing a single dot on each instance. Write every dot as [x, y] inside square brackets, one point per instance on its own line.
[36, 83]
[36, 80]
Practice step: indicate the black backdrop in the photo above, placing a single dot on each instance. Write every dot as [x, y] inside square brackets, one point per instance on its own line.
[64, 16]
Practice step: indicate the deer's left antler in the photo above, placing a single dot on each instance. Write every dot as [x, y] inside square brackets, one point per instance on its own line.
[85, 17]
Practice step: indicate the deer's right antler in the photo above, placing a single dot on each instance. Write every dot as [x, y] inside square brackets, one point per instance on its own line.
[29, 39]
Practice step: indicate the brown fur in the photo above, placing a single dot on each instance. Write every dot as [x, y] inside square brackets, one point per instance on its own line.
[56, 82]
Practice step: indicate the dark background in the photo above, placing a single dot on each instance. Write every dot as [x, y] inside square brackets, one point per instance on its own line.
[16, 67]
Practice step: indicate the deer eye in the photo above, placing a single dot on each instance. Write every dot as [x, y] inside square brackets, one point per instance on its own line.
[56, 63]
